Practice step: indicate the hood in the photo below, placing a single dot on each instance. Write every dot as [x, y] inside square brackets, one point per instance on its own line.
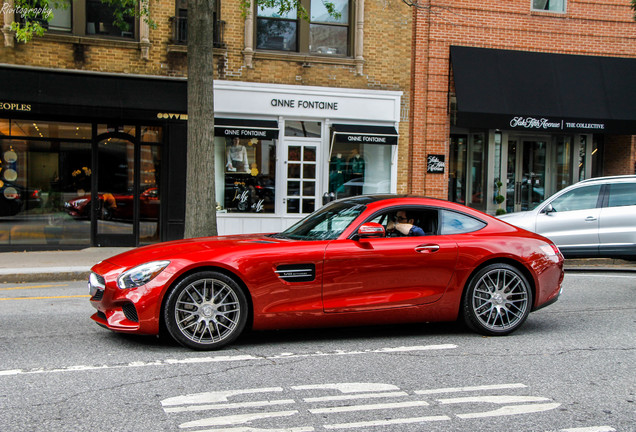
[181, 248]
[524, 219]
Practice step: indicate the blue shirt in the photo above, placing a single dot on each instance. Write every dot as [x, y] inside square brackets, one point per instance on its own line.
[416, 231]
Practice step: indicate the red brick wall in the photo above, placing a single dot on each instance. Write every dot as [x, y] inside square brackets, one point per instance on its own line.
[620, 155]
[604, 28]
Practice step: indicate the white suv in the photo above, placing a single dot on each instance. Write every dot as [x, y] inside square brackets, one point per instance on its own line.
[592, 218]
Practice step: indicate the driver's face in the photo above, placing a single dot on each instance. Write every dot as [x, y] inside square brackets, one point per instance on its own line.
[400, 217]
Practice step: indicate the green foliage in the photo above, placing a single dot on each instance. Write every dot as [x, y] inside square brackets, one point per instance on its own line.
[634, 8]
[500, 211]
[32, 16]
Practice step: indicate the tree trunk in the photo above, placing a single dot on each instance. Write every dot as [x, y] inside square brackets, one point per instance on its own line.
[200, 215]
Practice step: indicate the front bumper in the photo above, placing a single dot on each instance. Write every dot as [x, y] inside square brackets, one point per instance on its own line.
[133, 310]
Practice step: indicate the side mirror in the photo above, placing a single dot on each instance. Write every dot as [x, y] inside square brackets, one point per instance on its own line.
[549, 209]
[371, 230]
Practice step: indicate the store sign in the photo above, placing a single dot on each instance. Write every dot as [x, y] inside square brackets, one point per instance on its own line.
[6, 106]
[533, 123]
[304, 104]
[172, 116]
[435, 164]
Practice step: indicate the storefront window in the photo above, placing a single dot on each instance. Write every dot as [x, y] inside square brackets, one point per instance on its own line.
[44, 189]
[477, 172]
[245, 175]
[307, 129]
[39, 129]
[457, 169]
[582, 157]
[109, 128]
[563, 162]
[356, 169]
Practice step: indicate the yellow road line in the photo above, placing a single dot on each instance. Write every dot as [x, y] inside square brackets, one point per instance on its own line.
[32, 287]
[43, 298]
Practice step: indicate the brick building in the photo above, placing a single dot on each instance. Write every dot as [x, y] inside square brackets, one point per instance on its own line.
[93, 119]
[537, 94]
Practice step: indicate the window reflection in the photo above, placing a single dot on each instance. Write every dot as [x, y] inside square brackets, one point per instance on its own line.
[356, 169]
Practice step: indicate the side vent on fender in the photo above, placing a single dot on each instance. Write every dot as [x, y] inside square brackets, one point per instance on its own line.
[296, 272]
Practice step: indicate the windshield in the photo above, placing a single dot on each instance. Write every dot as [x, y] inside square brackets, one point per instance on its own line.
[325, 224]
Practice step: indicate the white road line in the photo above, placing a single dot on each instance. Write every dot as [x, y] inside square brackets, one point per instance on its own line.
[217, 396]
[238, 405]
[590, 429]
[355, 396]
[216, 359]
[473, 388]
[235, 419]
[251, 429]
[370, 407]
[350, 387]
[511, 410]
[386, 422]
[493, 399]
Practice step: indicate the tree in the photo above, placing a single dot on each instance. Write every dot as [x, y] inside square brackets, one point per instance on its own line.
[634, 8]
[200, 216]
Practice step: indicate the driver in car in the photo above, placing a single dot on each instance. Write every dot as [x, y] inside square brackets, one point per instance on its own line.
[404, 225]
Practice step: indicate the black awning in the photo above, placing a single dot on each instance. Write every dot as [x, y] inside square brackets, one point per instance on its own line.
[92, 93]
[344, 133]
[246, 128]
[503, 89]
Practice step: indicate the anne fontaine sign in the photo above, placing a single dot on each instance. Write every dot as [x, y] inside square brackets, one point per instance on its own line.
[533, 123]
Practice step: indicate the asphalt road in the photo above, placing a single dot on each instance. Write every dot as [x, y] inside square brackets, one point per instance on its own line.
[569, 368]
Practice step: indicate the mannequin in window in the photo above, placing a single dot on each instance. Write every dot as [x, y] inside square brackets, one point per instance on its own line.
[237, 157]
[356, 170]
[336, 173]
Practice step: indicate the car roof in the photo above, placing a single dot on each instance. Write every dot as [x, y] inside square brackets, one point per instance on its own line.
[621, 178]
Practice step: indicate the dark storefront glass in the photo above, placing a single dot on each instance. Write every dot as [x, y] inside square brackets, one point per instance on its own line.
[457, 169]
[46, 178]
[38, 180]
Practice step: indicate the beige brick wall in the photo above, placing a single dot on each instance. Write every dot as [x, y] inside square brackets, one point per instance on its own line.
[387, 55]
[603, 28]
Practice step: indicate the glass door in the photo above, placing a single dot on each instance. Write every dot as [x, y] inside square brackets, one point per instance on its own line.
[114, 195]
[525, 185]
[301, 194]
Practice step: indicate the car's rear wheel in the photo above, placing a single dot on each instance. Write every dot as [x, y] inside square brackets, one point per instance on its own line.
[206, 311]
[497, 301]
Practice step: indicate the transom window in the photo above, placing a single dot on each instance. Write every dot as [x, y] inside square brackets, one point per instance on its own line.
[549, 5]
[324, 34]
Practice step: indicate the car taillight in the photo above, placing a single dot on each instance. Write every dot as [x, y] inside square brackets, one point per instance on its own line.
[35, 194]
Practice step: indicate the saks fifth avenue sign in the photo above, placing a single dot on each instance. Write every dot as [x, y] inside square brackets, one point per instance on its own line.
[549, 124]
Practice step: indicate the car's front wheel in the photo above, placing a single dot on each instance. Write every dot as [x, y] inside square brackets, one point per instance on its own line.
[206, 311]
[497, 301]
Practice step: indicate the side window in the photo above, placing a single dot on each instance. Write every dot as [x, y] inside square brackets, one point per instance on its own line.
[577, 199]
[420, 221]
[459, 223]
[622, 194]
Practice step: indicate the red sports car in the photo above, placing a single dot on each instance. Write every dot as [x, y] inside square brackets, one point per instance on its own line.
[351, 262]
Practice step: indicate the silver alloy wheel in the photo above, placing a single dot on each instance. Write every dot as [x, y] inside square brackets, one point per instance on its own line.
[207, 311]
[500, 300]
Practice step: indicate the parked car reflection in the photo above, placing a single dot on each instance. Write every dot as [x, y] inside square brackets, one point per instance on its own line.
[116, 206]
[15, 198]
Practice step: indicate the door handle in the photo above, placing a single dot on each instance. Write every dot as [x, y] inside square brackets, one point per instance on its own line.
[590, 219]
[427, 248]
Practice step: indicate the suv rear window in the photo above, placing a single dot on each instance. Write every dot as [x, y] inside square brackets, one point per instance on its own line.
[622, 194]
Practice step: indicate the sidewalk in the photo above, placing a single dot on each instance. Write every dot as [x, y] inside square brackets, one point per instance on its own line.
[17, 267]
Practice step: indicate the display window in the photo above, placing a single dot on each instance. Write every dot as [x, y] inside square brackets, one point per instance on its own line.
[245, 175]
[357, 169]
[37, 180]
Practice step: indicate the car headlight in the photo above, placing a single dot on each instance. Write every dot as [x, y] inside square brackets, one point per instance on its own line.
[141, 275]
